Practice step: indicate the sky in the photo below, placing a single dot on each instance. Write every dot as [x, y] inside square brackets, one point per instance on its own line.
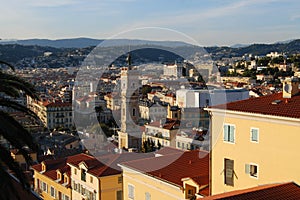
[208, 22]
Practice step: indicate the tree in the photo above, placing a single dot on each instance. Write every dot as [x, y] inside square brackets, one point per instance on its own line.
[13, 132]
[158, 145]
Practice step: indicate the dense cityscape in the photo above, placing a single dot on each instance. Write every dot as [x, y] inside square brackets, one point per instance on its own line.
[149, 100]
[165, 128]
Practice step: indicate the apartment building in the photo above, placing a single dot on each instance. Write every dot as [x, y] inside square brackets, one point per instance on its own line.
[52, 114]
[256, 141]
[181, 175]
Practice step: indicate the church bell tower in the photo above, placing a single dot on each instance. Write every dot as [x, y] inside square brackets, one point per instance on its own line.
[130, 134]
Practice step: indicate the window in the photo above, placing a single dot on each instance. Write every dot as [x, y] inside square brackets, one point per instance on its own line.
[228, 172]
[178, 144]
[75, 185]
[119, 195]
[65, 197]
[147, 196]
[52, 191]
[252, 170]
[91, 179]
[75, 171]
[131, 191]
[254, 134]
[120, 180]
[229, 131]
[44, 187]
[133, 112]
[83, 175]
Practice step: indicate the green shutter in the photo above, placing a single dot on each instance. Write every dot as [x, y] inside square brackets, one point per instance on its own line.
[225, 132]
[254, 135]
[247, 168]
[231, 134]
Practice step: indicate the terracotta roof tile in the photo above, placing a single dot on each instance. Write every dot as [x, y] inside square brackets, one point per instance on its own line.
[173, 167]
[287, 191]
[266, 105]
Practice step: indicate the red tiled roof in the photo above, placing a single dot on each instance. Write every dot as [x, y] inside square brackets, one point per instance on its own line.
[58, 104]
[287, 191]
[59, 164]
[263, 105]
[106, 165]
[168, 150]
[169, 124]
[173, 167]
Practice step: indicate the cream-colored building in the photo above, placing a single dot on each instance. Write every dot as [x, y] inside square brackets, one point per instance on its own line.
[113, 101]
[181, 175]
[80, 177]
[52, 114]
[256, 141]
[93, 180]
[163, 132]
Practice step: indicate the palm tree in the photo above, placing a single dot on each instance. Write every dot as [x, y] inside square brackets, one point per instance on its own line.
[12, 131]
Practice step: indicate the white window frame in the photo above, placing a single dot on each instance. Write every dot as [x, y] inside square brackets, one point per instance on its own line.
[52, 189]
[131, 196]
[45, 187]
[147, 196]
[254, 128]
[234, 131]
[248, 170]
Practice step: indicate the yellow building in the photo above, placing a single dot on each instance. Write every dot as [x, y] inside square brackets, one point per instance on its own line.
[93, 180]
[256, 141]
[181, 175]
[52, 179]
[80, 177]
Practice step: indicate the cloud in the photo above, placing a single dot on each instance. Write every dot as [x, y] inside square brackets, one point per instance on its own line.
[51, 3]
[294, 17]
[196, 16]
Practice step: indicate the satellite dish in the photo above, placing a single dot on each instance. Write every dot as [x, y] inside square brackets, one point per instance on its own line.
[288, 88]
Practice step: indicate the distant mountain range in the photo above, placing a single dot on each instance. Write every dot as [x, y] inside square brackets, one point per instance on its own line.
[16, 50]
[60, 43]
[87, 42]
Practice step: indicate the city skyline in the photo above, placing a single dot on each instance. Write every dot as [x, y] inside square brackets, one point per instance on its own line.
[207, 22]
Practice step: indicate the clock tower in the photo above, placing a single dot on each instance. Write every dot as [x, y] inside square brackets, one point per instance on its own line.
[130, 134]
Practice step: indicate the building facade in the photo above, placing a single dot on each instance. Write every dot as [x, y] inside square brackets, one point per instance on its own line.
[159, 177]
[255, 141]
[52, 114]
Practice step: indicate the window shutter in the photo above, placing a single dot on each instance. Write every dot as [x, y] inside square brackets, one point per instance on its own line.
[247, 168]
[254, 135]
[231, 137]
[225, 132]
[229, 172]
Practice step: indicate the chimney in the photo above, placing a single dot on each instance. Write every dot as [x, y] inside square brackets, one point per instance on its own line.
[290, 87]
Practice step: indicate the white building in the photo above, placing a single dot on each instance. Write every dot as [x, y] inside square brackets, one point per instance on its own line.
[188, 98]
[152, 111]
[192, 139]
[173, 71]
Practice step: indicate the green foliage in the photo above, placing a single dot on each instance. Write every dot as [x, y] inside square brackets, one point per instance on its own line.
[149, 146]
[12, 131]
[264, 61]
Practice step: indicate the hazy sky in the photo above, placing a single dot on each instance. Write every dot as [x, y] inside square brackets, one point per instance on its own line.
[209, 22]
